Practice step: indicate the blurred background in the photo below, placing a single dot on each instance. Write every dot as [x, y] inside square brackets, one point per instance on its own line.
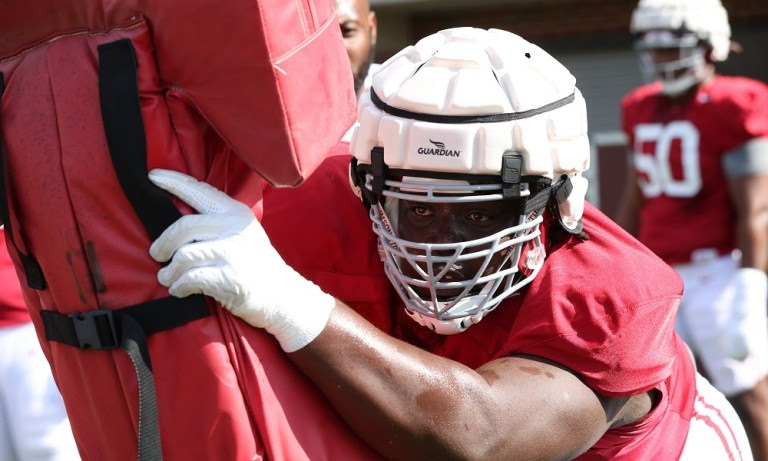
[591, 38]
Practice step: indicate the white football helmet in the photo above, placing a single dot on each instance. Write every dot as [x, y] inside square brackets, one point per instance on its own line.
[469, 115]
[699, 29]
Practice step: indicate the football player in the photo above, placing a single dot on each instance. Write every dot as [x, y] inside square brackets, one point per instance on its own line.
[358, 27]
[697, 194]
[518, 321]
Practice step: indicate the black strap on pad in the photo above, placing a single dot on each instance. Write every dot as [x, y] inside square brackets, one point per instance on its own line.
[128, 327]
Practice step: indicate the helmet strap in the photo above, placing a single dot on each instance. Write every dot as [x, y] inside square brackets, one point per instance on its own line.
[541, 192]
[559, 194]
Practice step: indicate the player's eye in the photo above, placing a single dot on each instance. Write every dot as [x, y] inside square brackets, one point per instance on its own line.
[478, 216]
[348, 30]
[421, 210]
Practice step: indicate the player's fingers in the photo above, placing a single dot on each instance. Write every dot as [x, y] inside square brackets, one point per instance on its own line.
[193, 228]
[200, 280]
[188, 257]
[201, 196]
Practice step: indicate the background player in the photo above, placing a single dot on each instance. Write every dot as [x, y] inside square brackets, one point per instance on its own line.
[359, 28]
[697, 194]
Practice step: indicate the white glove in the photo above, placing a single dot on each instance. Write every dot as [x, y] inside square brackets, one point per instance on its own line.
[750, 301]
[223, 252]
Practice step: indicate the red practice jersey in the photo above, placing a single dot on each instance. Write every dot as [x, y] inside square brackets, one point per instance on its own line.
[677, 152]
[13, 310]
[604, 308]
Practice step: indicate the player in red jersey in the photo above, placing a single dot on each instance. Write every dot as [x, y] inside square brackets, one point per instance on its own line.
[518, 321]
[698, 193]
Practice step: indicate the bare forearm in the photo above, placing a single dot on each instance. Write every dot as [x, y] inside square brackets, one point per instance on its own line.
[750, 197]
[753, 242]
[411, 404]
[403, 401]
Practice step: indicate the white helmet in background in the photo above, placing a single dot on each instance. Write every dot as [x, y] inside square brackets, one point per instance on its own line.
[699, 29]
[470, 115]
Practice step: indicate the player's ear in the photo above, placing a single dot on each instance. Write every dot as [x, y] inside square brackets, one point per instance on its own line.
[373, 24]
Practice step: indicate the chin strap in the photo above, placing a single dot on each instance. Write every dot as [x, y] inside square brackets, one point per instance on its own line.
[559, 193]
[548, 194]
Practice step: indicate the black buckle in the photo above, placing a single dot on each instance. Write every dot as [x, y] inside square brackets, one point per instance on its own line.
[95, 330]
[511, 174]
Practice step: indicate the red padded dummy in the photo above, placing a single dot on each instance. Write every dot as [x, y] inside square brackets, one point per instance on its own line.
[230, 93]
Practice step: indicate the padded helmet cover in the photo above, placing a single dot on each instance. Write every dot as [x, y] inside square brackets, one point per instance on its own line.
[457, 104]
[707, 19]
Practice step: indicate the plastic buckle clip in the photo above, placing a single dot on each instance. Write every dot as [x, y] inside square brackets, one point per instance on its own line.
[511, 174]
[95, 330]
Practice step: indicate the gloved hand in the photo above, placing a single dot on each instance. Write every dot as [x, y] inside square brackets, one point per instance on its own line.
[223, 252]
[747, 312]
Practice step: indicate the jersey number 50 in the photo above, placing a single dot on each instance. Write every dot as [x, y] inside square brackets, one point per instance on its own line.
[657, 165]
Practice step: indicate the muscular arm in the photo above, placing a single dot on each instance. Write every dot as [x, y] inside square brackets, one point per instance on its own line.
[405, 402]
[750, 195]
[747, 168]
[411, 404]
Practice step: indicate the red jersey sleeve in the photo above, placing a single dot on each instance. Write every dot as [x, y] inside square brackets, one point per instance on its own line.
[744, 104]
[604, 308]
[629, 108]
